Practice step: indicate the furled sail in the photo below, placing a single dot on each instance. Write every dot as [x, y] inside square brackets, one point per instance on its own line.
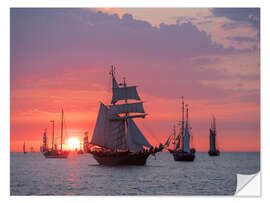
[127, 108]
[135, 138]
[113, 117]
[186, 147]
[123, 93]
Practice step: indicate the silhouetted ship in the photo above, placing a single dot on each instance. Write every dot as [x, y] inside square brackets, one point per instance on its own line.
[86, 143]
[181, 143]
[24, 151]
[80, 151]
[54, 152]
[117, 139]
[213, 151]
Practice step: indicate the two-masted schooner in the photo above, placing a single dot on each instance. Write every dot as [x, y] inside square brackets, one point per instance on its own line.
[117, 139]
[213, 151]
[181, 150]
[53, 152]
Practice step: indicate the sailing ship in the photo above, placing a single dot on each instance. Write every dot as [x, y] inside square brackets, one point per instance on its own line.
[80, 151]
[213, 151]
[24, 151]
[85, 143]
[181, 150]
[116, 138]
[54, 152]
[32, 149]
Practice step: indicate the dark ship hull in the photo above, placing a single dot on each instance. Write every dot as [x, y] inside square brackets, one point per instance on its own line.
[120, 158]
[183, 156]
[80, 152]
[213, 153]
[55, 154]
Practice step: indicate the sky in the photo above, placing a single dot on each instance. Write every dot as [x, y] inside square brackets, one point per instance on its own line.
[61, 58]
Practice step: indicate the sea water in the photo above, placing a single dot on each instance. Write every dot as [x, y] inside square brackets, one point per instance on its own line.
[32, 174]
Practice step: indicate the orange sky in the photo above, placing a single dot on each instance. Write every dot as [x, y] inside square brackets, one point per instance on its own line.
[60, 58]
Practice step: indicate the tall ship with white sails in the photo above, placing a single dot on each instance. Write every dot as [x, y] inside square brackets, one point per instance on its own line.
[117, 139]
[181, 149]
[213, 151]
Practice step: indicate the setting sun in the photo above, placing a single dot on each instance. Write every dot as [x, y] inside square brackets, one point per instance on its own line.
[73, 143]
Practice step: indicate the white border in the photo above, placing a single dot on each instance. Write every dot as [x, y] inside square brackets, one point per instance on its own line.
[265, 74]
[136, 3]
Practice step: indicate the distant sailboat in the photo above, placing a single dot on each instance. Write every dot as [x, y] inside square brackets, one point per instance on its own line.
[32, 149]
[117, 138]
[24, 151]
[181, 143]
[213, 151]
[85, 143]
[54, 152]
[80, 151]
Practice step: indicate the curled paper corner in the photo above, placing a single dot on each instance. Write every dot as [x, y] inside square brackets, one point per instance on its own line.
[248, 185]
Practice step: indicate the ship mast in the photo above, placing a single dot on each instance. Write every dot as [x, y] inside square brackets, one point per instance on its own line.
[183, 122]
[214, 124]
[52, 133]
[174, 137]
[187, 112]
[214, 131]
[115, 128]
[112, 73]
[119, 140]
[62, 121]
[45, 139]
[187, 121]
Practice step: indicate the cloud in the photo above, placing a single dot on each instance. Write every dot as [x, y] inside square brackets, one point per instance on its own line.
[249, 15]
[241, 39]
[47, 42]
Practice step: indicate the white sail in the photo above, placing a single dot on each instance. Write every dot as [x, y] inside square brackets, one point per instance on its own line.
[107, 133]
[127, 108]
[186, 147]
[135, 138]
[117, 137]
[131, 145]
[101, 130]
[123, 93]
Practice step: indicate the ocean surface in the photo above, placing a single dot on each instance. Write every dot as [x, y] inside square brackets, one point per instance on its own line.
[32, 174]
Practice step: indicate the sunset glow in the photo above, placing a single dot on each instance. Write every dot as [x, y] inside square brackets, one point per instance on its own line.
[61, 58]
[73, 143]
